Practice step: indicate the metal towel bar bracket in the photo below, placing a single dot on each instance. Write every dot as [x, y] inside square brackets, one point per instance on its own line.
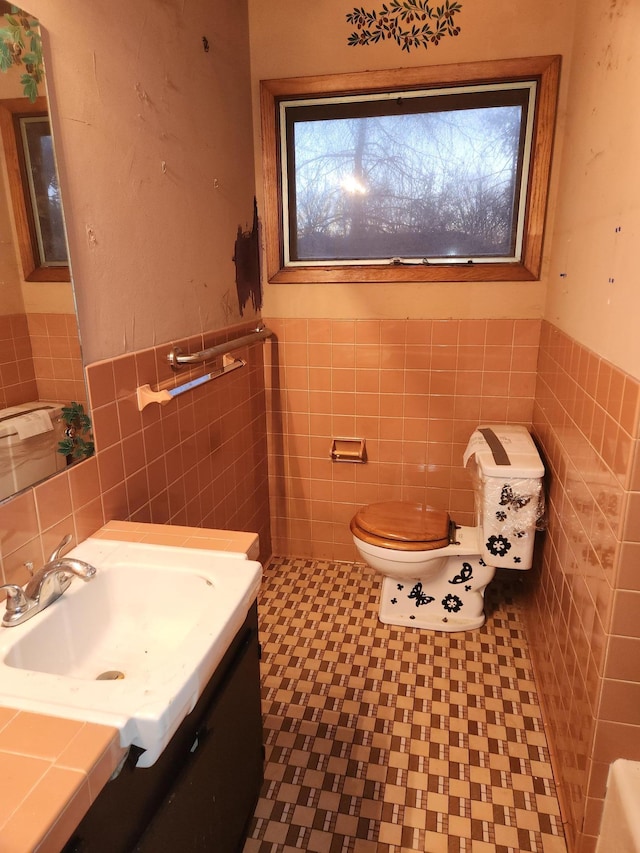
[178, 359]
[147, 395]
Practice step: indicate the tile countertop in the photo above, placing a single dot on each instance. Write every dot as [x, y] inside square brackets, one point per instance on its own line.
[52, 769]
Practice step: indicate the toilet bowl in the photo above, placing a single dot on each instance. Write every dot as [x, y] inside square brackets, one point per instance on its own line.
[435, 571]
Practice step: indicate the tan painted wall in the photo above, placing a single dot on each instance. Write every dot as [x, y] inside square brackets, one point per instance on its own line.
[287, 41]
[593, 291]
[11, 301]
[154, 146]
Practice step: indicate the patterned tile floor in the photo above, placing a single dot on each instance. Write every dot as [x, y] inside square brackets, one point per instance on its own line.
[386, 740]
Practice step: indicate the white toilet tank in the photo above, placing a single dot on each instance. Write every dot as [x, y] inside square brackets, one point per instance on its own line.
[507, 475]
[28, 450]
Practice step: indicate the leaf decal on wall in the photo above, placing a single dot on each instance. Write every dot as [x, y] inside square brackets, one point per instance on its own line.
[410, 23]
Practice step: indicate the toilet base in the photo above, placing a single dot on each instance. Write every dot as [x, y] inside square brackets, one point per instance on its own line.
[453, 601]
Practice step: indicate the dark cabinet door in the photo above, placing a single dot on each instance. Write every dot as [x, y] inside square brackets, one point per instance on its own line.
[209, 804]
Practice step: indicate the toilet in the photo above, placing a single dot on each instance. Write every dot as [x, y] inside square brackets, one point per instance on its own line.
[435, 571]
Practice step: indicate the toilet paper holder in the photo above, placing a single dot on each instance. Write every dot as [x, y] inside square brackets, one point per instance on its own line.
[348, 450]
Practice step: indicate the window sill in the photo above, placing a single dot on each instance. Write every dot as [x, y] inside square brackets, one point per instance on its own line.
[49, 274]
[402, 273]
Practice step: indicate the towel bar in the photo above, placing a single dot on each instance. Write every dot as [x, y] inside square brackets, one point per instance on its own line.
[178, 359]
[147, 395]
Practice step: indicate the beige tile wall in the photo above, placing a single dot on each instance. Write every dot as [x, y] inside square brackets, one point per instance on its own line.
[584, 626]
[414, 389]
[17, 375]
[57, 359]
[200, 460]
[40, 359]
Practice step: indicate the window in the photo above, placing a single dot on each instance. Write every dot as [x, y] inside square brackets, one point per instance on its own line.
[34, 190]
[409, 175]
[44, 193]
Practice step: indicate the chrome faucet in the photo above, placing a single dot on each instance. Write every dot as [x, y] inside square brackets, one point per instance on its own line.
[47, 584]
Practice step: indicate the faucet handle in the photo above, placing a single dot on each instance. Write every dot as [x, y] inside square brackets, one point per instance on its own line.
[16, 599]
[55, 554]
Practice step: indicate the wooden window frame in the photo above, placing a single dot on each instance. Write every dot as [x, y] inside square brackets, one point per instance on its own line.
[545, 70]
[10, 110]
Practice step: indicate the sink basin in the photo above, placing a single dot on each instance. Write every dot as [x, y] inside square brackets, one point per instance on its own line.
[134, 647]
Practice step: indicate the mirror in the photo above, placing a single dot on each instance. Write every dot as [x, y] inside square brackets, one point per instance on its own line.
[43, 401]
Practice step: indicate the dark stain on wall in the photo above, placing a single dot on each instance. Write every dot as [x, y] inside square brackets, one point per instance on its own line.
[247, 261]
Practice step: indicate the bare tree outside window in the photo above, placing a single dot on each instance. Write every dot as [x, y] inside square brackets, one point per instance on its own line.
[415, 184]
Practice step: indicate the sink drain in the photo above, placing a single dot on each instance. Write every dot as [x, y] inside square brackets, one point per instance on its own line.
[110, 675]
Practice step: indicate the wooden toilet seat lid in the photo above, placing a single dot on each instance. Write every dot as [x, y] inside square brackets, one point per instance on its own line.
[405, 522]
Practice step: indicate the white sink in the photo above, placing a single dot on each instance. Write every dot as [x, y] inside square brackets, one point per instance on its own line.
[161, 616]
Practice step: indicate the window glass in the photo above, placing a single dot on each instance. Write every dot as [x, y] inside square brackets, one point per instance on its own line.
[416, 179]
[44, 191]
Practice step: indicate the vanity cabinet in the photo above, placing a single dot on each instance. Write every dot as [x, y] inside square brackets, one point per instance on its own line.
[201, 792]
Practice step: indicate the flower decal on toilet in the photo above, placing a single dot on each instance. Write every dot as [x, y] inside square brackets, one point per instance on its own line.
[498, 545]
[451, 603]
